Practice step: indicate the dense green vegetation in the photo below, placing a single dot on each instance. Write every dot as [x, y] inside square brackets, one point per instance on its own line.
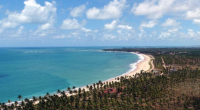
[178, 89]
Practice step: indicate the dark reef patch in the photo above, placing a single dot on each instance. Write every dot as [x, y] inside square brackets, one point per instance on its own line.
[4, 75]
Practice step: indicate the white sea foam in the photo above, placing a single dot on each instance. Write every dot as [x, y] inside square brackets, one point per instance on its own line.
[133, 65]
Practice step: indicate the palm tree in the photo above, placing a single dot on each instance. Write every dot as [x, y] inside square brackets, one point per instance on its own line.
[16, 103]
[70, 91]
[3, 104]
[9, 101]
[34, 98]
[26, 99]
[68, 88]
[12, 106]
[40, 98]
[71, 99]
[58, 91]
[23, 104]
[47, 94]
[63, 93]
[19, 97]
[79, 90]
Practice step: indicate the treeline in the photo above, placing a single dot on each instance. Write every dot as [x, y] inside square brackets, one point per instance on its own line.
[152, 51]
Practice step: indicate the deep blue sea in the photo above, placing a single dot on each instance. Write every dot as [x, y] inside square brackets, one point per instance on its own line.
[35, 71]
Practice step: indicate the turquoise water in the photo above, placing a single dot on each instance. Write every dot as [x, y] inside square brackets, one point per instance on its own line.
[35, 71]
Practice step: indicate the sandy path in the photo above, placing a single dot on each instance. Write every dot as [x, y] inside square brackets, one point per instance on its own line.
[151, 61]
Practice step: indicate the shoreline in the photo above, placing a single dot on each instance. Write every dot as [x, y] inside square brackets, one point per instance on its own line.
[141, 64]
[134, 67]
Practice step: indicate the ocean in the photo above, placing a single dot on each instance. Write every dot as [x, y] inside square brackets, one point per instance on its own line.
[35, 71]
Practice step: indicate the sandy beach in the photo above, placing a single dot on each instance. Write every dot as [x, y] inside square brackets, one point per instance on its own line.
[143, 65]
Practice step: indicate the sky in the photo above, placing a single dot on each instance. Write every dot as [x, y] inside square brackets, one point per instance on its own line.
[38, 23]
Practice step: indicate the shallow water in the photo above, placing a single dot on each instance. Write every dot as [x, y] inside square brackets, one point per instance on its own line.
[35, 71]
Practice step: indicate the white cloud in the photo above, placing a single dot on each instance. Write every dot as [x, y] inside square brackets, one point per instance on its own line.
[195, 14]
[43, 34]
[184, 5]
[175, 35]
[111, 11]
[72, 24]
[8, 24]
[60, 37]
[96, 31]
[173, 30]
[191, 33]
[150, 24]
[155, 9]
[20, 30]
[118, 31]
[152, 8]
[78, 11]
[46, 26]
[111, 26]
[170, 22]
[32, 13]
[142, 34]
[108, 36]
[121, 36]
[124, 27]
[86, 30]
[196, 21]
[198, 34]
[164, 35]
